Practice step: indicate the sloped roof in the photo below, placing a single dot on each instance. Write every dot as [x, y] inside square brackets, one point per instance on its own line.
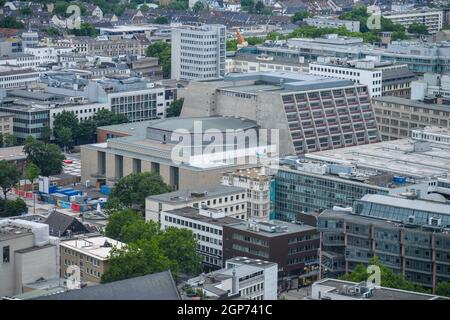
[59, 223]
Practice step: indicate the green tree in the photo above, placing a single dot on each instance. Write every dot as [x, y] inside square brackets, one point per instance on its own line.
[443, 289]
[65, 119]
[64, 136]
[232, 45]
[1, 140]
[161, 20]
[254, 40]
[32, 172]
[138, 230]
[198, 6]
[180, 246]
[11, 23]
[161, 50]
[259, 7]
[118, 220]
[132, 190]
[11, 208]
[52, 31]
[9, 140]
[299, 16]
[46, 156]
[86, 132]
[174, 110]
[46, 134]
[247, 5]
[106, 117]
[398, 35]
[418, 28]
[9, 176]
[86, 29]
[144, 8]
[26, 11]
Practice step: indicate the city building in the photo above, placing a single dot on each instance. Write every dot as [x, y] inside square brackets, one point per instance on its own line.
[13, 78]
[231, 200]
[397, 117]
[408, 235]
[257, 183]
[294, 247]
[381, 77]
[89, 254]
[311, 113]
[431, 85]
[243, 277]
[335, 289]
[104, 46]
[46, 55]
[432, 134]
[431, 18]
[148, 67]
[207, 224]
[6, 123]
[183, 164]
[330, 22]
[198, 53]
[28, 253]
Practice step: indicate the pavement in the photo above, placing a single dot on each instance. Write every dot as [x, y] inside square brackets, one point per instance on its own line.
[295, 294]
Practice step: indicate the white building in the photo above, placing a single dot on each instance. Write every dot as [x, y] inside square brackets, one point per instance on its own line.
[432, 84]
[83, 110]
[262, 63]
[46, 55]
[431, 18]
[207, 226]
[28, 254]
[198, 53]
[242, 277]
[330, 22]
[21, 61]
[232, 200]
[11, 77]
[256, 182]
[432, 134]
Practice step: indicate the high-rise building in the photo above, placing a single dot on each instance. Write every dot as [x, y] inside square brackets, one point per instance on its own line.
[431, 18]
[198, 53]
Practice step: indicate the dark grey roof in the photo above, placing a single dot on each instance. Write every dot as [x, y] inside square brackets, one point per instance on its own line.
[156, 286]
[59, 223]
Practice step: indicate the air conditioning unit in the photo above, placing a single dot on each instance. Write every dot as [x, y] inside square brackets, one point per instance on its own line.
[434, 221]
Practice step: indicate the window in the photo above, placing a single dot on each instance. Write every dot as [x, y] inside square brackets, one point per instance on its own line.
[6, 257]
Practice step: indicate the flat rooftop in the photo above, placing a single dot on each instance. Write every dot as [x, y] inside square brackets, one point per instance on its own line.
[397, 156]
[193, 213]
[9, 231]
[194, 195]
[12, 153]
[256, 173]
[413, 103]
[291, 228]
[337, 287]
[93, 246]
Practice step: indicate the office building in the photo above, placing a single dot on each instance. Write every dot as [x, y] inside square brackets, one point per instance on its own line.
[432, 134]
[257, 183]
[105, 47]
[335, 289]
[89, 254]
[397, 117]
[408, 235]
[6, 123]
[155, 146]
[18, 78]
[207, 224]
[242, 277]
[198, 53]
[294, 247]
[46, 55]
[312, 113]
[28, 253]
[231, 200]
[381, 77]
[431, 18]
[330, 22]
[431, 85]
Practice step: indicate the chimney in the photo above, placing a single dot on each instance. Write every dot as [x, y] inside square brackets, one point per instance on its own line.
[234, 282]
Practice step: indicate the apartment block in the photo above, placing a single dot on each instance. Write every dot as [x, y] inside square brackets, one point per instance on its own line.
[397, 117]
[329, 22]
[89, 254]
[207, 224]
[242, 277]
[27, 254]
[294, 247]
[408, 235]
[232, 200]
[198, 53]
[105, 47]
[18, 78]
[431, 18]
[312, 113]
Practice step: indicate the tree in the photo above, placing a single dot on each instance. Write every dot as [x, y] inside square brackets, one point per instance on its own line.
[443, 289]
[174, 110]
[64, 136]
[198, 6]
[86, 29]
[52, 31]
[398, 35]
[46, 134]
[32, 172]
[9, 140]
[46, 156]
[118, 220]
[232, 45]
[161, 50]
[418, 28]
[138, 230]
[9, 176]
[161, 20]
[247, 5]
[132, 190]
[11, 23]
[106, 117]
[388, 278]
[259, 7]
[299, 16]
[11, 208]
[1, 140]
[180, 246]
[144, 8]
[26, 11]
[65, 119]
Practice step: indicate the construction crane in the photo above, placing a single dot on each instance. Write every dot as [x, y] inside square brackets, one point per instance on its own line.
[241, 41]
